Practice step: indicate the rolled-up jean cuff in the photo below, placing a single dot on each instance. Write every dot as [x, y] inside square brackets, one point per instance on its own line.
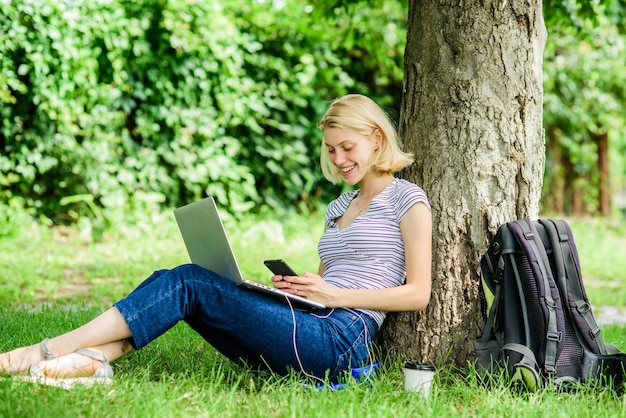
[138, 338]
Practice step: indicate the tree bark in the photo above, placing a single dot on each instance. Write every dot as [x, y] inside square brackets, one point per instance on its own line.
[603, 168]
[554, 191]
[472, 115]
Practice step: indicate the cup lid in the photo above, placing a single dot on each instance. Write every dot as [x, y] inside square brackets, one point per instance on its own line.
[416, 365]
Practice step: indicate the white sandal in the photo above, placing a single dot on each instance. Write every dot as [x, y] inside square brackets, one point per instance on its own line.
[103, 375]
[47, 355]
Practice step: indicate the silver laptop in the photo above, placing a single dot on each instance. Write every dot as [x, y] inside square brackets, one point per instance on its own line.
[208, 246]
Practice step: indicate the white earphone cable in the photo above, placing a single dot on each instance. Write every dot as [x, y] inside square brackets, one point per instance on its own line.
[295, 345]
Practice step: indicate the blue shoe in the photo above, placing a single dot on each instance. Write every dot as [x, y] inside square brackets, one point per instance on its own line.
[360, 375]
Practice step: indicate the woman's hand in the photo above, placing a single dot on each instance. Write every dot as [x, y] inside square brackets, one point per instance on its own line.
[308, 285]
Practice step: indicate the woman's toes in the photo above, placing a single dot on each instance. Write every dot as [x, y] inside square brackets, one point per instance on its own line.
[20, 360]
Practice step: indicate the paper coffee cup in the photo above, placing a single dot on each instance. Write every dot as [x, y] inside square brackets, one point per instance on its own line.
[418, 377]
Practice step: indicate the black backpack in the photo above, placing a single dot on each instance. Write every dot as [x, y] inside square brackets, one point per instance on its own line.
[539, 326]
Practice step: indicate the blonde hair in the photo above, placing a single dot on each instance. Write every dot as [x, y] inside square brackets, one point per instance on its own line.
[360, 114]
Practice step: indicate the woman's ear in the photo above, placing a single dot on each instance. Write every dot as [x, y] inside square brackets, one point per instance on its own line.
[377, 136]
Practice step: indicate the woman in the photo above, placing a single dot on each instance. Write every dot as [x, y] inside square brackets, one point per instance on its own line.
[375, 257]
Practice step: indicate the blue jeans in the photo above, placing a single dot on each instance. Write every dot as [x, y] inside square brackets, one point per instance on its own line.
[248, 326]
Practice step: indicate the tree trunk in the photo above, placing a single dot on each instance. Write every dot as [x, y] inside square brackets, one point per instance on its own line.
[554, 194]
[603, 168]
[570, 177]
[472, 115]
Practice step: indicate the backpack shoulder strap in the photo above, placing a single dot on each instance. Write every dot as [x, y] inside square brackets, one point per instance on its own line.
[492, 269]
[553, 335]
[568, 272]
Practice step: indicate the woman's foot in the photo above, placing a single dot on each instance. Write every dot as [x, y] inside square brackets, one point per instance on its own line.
[71, 365]
[20, 360]
[83, 367]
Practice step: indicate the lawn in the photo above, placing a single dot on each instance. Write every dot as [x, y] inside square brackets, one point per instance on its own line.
[53, 279]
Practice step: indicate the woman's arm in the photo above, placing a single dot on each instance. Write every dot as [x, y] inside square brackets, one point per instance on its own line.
[416, 229]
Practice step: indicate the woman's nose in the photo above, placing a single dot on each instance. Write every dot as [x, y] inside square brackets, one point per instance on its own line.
[338, 158]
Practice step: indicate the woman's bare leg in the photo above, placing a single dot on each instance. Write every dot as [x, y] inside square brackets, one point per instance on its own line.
[109, 327]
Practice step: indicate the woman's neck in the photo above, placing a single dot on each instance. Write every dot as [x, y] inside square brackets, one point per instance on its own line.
[374, 184]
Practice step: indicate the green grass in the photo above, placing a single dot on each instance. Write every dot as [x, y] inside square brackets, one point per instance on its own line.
[602, 249]
[61, 264]
[52, 280]
[179, 375]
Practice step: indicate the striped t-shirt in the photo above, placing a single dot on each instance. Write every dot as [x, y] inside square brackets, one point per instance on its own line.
[369, 254]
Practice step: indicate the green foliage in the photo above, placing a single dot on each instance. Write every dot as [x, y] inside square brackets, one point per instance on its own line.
[181, 98]
[580, 13]
[13, 217]
[585, 95]
[160, 102]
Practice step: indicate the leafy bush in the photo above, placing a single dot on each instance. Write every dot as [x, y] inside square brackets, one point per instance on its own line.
[584, 99]
[180, 99]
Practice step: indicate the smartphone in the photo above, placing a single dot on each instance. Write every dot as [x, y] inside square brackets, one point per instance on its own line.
[279, 267]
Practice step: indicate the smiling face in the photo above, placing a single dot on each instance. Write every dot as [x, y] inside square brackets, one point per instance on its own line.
[359, 140]
[351, 153]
